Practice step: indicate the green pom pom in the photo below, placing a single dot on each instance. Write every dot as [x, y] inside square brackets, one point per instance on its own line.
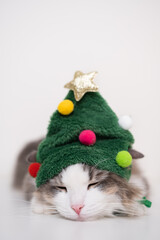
[124, 159]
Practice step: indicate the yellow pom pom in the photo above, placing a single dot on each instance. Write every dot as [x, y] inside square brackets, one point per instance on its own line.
[66, 107]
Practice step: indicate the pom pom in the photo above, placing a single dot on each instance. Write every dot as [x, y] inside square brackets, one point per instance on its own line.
[66, 107]
[125, 122]
[33, 169]
[87, 137]
[124, 159]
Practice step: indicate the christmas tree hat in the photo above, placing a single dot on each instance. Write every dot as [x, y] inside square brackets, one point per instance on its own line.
[83, 129]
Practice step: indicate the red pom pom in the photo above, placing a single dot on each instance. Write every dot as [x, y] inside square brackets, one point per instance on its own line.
[87, 137]
[33, 169]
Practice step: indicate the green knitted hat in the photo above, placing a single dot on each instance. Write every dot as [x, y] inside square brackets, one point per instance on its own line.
[84, 129]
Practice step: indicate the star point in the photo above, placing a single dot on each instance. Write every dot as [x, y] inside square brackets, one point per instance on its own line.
[82, 83]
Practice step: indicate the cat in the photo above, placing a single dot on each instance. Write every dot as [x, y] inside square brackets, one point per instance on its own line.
[82, 192]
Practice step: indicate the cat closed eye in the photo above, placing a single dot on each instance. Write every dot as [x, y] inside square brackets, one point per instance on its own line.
[92, 185]
[61, 188]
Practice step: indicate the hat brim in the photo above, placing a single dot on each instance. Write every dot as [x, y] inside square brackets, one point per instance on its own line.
[102, 155]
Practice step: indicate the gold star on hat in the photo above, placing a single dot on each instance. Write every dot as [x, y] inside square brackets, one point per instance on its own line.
[82, 83]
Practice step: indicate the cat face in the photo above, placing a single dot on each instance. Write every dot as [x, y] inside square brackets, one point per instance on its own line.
[81, 192]
[81, 196]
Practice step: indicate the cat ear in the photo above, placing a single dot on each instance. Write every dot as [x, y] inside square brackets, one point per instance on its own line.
[31, 157]
[135, 154]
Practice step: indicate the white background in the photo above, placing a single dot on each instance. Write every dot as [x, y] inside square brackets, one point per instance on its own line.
[42, 44]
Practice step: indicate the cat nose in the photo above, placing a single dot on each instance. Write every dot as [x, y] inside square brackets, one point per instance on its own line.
[77, 208]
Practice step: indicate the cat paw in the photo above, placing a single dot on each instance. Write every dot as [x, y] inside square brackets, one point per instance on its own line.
[37, 207]
[40, 208]
[138, 210]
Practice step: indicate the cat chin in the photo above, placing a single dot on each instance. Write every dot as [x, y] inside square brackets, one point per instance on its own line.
[85, 219]
[82, 218]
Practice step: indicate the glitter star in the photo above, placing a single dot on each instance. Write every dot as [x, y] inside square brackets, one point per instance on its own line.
[82, 83]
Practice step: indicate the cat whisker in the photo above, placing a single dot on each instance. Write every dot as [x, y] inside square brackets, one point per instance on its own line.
[100, 161]
[20, 200]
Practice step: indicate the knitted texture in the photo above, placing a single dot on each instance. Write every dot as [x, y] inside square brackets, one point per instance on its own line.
[62, 148]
